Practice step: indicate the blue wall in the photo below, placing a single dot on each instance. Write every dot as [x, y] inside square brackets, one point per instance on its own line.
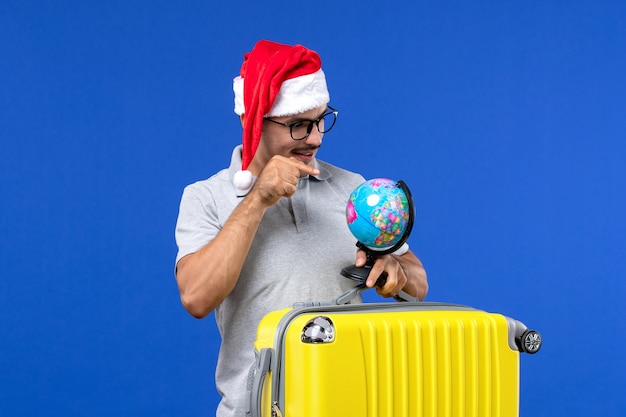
[506, 119]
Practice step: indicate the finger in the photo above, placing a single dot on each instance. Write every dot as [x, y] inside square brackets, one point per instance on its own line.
[285, 171]
[290, 175]
[387, 267]
[303, 168]
[361, 259]
[375, 274]
[276, 181]
[388, 286]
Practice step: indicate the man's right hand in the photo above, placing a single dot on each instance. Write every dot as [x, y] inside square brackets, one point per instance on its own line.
[279, 178]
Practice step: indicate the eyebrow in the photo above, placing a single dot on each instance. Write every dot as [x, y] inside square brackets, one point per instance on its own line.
[302, 119]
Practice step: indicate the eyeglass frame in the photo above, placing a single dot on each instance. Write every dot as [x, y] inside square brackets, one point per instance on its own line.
[309, 128]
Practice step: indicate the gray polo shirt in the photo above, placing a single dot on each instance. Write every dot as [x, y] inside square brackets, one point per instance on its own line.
[297, 255]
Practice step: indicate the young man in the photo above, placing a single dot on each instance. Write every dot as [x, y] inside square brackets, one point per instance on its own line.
[271, 230]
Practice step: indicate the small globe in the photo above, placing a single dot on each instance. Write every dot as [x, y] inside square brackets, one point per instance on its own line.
[378, 213]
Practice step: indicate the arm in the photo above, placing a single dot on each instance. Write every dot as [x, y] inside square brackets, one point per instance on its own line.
[207, 276]
[404, 272]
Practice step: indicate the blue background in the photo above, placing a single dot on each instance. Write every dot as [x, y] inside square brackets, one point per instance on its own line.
[506, 119]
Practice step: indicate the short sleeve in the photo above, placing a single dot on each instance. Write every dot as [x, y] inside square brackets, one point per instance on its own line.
[198, 221]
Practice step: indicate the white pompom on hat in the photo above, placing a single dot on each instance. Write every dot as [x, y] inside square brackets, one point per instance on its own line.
[275, 80]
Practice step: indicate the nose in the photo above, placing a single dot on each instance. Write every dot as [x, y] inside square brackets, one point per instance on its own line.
[314, 138]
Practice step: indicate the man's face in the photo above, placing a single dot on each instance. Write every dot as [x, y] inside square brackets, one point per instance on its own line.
[276, 140]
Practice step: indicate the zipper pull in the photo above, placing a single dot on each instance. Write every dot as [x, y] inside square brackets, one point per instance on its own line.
[276, 410]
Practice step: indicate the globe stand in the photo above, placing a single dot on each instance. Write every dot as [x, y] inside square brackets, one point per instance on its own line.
[360, 274]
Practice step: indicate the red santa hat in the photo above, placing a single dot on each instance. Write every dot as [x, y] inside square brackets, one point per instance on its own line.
[275, 80]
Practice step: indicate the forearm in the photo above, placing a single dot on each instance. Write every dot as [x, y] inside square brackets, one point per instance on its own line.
[206, 277]
[417, 281]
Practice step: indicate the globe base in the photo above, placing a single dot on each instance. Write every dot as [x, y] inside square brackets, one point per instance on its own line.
[360, 274]
[356, 273]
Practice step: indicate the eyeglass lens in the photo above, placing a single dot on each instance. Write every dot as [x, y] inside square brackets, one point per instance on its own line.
[302, 129]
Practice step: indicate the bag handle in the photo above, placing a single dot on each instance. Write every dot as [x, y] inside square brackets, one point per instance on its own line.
[349, 295]
[255, 382]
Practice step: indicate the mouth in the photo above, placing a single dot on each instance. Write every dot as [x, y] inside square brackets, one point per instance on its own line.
[305, 155]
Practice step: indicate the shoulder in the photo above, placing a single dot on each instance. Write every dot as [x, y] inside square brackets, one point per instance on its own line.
[209, 194]
[208, 186]
[339, 178]
[208, 202]
[339, 175]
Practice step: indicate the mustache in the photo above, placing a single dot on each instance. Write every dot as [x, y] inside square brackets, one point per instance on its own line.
[308, 148]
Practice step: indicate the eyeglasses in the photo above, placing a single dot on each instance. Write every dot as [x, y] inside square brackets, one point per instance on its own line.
[301, 129]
